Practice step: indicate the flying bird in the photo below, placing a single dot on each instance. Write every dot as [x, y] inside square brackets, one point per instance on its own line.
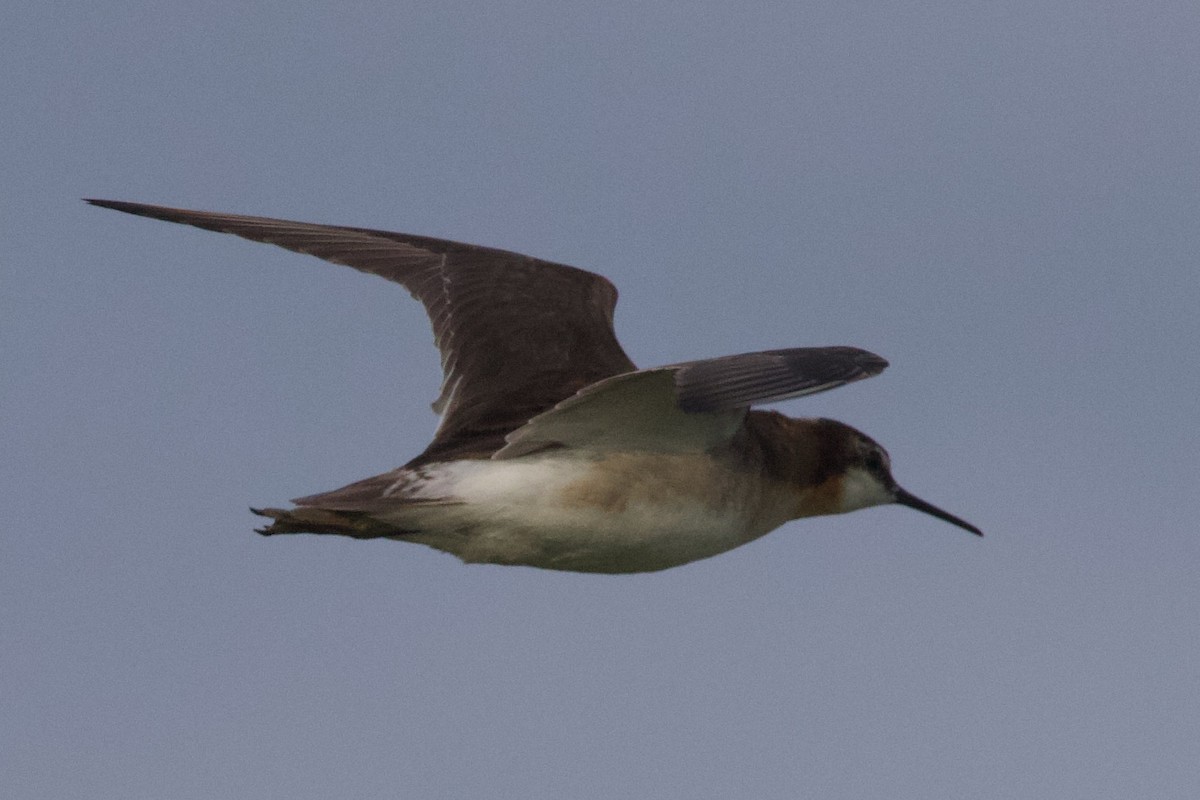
[554, 450]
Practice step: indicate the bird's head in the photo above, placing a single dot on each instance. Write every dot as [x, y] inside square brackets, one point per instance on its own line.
[865, 477]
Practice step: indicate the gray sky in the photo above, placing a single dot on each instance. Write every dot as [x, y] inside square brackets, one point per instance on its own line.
[1003, 199]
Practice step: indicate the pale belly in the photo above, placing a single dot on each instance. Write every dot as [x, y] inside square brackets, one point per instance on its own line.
[618, 513]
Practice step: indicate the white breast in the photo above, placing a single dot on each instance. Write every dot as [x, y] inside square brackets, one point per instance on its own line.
[622, 512]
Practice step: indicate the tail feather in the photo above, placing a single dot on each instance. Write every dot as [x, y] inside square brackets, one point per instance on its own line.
[355, 524]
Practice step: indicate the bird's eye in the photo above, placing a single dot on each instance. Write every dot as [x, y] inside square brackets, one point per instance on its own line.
[874, 461]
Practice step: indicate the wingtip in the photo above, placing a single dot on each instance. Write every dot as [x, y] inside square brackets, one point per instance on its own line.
[115, 205]
[873, 363]
[119, 205]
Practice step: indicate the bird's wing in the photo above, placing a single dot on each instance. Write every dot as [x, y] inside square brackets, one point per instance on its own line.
[688, 407]
[748, 379]
[516, 334]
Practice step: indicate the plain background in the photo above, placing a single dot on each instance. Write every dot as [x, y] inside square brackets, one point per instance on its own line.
[1003, 199]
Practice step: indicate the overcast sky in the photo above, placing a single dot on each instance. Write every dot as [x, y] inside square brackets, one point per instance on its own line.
[1003, 199]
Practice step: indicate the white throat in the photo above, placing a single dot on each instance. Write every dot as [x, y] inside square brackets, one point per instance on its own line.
[861, 489]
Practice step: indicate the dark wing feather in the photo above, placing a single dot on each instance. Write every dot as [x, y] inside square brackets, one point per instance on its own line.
[720, 384]
[516, 334]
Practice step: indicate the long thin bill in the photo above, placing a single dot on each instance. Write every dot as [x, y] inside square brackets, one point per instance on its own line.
[912, 501]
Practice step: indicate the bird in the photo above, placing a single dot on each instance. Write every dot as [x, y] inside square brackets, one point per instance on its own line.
[553, 449]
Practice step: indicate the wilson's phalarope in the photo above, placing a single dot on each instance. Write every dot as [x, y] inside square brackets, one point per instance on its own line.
[554, 450]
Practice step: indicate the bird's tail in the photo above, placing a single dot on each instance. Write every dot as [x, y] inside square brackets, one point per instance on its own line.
[319, 520]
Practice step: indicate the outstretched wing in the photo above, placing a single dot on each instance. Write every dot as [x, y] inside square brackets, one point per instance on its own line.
[688, 407]
[516, 334]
